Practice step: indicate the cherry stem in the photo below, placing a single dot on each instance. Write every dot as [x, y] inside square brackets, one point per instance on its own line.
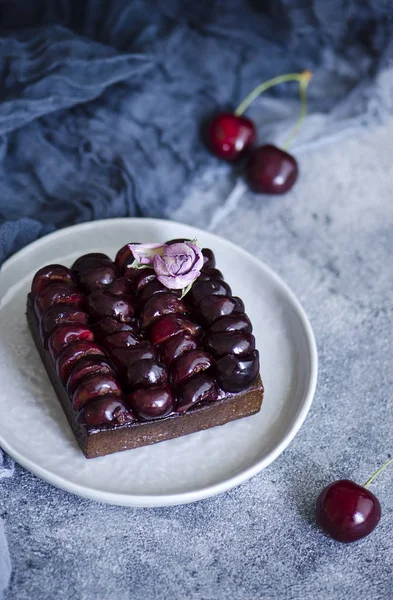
[388, 462]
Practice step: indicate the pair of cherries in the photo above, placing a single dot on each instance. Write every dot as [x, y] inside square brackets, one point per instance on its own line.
[232, 137]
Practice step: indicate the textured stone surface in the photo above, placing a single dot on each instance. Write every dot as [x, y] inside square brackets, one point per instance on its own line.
[331, 238]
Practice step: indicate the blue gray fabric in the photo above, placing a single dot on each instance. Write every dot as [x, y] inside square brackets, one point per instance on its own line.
[100, 112]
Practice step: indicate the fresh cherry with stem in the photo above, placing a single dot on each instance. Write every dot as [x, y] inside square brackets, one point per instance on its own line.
[346, 511]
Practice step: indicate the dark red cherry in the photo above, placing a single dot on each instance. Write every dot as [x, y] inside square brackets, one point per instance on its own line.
[212, 308]
[234, 322]
[51, 274]
[230, 137]
[90, 261]
[176, 346]
[144, 277]
[125, 357]
[121, 339]
[120, 287]
[124, 257]
[235, 374]
[108, 325]
[145, 373]
[347, 511]
[215, 287]
[209, 260]
[171, 325]
[160, 305]
[190, 364]
[63, 335]
[131, 273]
[103, 304]
[57, 293]
[200, 388]
[58, 315]
[240, 343]
[150, 289]
[93, 386]
[271, 170]
[210, 273]
[104, 410]
[87, 366]
[98, 278]
[74, 352]
[152, 402]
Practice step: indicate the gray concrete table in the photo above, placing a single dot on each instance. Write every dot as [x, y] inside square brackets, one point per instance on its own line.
[331, 239]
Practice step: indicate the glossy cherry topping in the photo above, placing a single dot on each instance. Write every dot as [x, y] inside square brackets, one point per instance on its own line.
[176, 346]
[49, 275]
[109, 325]
[145, 373]
[121, 287]
[124, 257]
[58, 293]
[240, 343]
[212, 308]
[234, 322]
[160, 305]
[74, 352]
[152, 402]
[104, 410]
[190, 364]
[97, 278]
[209, 260]
[103, 304]
[125, 357]
[235, 374]
[90, 261]
[200, 388]
[170, 325]
[215, 287]
[121, 339]
[58, 315]
[63, 335]
[89, 365]
[93, 386]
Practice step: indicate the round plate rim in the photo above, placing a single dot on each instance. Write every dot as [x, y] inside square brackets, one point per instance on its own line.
[160, 500]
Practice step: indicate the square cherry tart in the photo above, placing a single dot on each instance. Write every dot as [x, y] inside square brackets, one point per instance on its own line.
[132, 361]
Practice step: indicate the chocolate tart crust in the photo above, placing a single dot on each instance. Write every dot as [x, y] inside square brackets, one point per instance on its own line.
[105, 440]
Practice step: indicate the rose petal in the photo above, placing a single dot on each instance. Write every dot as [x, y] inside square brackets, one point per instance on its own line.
[198, 264]
[178, 283]
[144, 253]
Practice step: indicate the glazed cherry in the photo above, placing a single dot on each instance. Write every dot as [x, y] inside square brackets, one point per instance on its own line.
[58, 315]
[271, 170]
[347, 511]
[145, 373]
[240, 343]
[125, 357]
[230, 137]
[150, 289]
[124, 257]
[234, 322]
[89, 365]
[74, 352]
[209, 260]
[152, 403]
[121, 339]
[144, 277]
[190, 364]
[108, 325]
[215, 287]
[90, 261]
[48, 275]
[176, 346]
[63, 335]
[212, 308]
[97, 278]
[57, 293]
[235, 374]
[104, 410]
[95, 385]
[200, 388]
[103, 304]
[120, 287]
[159, 305]
[210, 273]
[170, 325]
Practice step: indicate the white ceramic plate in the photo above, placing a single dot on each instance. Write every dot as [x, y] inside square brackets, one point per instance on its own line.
[35, 432]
